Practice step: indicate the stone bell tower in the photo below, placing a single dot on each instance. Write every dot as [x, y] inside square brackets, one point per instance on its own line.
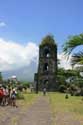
[47, 68]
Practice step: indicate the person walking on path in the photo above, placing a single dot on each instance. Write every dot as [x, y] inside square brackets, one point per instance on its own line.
[44, 91]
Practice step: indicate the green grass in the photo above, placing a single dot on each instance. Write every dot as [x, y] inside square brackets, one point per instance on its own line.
[60, 104]
[29, 98]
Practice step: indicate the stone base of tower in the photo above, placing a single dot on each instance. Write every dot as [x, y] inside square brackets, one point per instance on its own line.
[45, 81]
[49, 84]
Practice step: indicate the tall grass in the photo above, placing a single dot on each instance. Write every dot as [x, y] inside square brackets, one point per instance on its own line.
[73, 104]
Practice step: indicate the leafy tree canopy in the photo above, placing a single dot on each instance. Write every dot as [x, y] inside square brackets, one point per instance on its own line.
[1, 77]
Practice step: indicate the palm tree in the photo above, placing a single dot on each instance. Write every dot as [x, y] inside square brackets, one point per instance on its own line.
[70, 45]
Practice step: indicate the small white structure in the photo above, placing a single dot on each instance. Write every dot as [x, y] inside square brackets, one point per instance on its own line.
[81, 74]
[13, 77]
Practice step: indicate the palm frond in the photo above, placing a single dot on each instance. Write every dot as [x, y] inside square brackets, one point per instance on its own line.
[77, 58]
[72, 43]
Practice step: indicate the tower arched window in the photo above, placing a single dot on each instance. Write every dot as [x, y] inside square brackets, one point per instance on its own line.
[46, 67]
[46, 52]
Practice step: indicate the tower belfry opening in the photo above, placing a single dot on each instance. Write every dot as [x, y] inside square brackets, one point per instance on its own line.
[47, 52]
[45, 67]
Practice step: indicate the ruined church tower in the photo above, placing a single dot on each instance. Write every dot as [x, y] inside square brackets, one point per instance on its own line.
[47, 68]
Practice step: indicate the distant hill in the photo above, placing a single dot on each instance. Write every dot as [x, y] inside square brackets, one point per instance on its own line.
[25, 73]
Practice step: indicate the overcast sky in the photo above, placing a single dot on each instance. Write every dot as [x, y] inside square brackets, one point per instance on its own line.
[23, 24]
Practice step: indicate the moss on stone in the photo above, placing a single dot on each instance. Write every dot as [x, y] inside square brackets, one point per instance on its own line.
[48, 40]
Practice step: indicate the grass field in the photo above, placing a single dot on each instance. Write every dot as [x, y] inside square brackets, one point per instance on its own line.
[66, 110]
[73, 104]
[29, 98]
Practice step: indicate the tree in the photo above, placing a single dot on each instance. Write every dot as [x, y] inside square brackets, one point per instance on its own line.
[70, 45]
[1, 77]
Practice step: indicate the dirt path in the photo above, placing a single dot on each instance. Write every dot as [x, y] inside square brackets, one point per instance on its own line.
[37, 114]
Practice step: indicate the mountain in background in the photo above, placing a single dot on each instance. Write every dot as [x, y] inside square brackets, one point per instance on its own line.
[23, 74]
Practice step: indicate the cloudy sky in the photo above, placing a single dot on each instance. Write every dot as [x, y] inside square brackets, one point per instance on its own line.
[23, 24]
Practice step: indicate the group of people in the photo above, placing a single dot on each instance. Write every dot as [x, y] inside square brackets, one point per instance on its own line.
[7, 96]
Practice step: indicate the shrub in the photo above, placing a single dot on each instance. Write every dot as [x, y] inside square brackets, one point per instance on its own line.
[81, 93]
[66, 96]
[20, 95]
[62, 88]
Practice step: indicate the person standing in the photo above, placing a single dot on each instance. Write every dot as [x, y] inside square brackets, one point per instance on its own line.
[13, 97]
[1, 95]
[44, 91]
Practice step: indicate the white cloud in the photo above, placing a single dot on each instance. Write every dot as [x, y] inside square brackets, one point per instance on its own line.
[14, 55]
[64, 62]
[2, 24]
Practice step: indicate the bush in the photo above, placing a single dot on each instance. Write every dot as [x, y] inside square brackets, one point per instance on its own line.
[72, 93]
[66, 96]
[81, 93]
[75, 90]
[77, 93]
[20, 95]
[72, 89]
[20, 88]
[62, 88]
